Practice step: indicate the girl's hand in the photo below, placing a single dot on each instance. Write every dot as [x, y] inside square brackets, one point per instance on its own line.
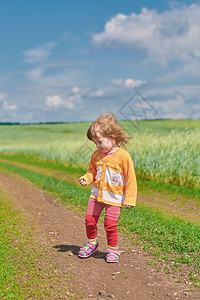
[129, 206]
[82, 181]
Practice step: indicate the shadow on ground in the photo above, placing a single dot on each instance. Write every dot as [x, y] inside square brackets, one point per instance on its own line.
[75, 249]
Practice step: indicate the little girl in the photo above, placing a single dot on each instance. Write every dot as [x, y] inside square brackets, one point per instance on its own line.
[114, 184]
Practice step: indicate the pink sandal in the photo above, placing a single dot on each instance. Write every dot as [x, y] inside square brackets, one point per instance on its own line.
[87, 250]
[112, 256]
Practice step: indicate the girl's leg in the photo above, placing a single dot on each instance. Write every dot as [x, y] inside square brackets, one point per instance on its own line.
[92, 216]
[110, 225]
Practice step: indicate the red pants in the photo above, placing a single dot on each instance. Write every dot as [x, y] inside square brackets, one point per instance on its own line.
[110, 223]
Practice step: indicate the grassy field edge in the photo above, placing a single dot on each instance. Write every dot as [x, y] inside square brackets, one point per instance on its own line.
[144, 185]
[20, 256]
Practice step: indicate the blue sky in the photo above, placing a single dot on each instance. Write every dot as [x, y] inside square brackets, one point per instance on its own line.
[73, 60]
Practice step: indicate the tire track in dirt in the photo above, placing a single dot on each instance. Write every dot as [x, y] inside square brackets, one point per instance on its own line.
[63, 232]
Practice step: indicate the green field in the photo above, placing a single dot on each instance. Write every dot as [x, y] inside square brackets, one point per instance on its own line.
[167, 163]
[165, 151]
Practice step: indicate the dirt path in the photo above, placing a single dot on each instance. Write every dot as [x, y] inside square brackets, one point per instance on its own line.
[63, 233]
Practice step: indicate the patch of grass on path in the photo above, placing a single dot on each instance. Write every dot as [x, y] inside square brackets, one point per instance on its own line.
[167, 238]
[20, 275]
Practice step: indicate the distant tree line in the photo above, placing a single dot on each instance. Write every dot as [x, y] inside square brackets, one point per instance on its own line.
[9, 123]
[60, 122]
[38, 123]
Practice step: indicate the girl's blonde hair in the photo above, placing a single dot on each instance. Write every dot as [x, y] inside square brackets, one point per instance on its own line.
[108, 126]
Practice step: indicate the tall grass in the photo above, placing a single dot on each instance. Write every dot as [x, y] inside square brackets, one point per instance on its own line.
[160, 153]
[174, 158]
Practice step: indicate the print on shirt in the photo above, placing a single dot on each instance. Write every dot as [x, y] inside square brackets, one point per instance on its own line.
[115, 179]
[99, 172]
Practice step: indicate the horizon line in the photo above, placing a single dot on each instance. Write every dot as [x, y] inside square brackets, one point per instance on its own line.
[69, 122]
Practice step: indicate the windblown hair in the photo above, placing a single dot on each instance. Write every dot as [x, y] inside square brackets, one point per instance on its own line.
[108, 126]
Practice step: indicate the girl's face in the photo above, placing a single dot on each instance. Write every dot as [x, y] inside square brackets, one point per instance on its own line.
[105, 144]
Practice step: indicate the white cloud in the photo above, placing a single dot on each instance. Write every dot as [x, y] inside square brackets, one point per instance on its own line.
[174, 108]
[53, 101]
[187, 91]
[172, 115]
[130, 83]
[118, 82]
[70, 101]
[76, 90]
[2, 96]
[39, 54]
[54, 82]
[175, 101]
[170, 35]
[35, 74]
[127, 83]
[6, 106]
[96, 94]
[192, 68]
[69, 104]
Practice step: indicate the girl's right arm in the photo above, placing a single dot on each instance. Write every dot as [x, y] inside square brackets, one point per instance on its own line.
[82, 181]
[90, 175]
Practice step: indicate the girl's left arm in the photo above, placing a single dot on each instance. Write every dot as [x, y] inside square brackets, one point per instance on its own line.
[131, 183]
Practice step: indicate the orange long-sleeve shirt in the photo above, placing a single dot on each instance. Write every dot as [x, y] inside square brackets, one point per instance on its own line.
[113, 177]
